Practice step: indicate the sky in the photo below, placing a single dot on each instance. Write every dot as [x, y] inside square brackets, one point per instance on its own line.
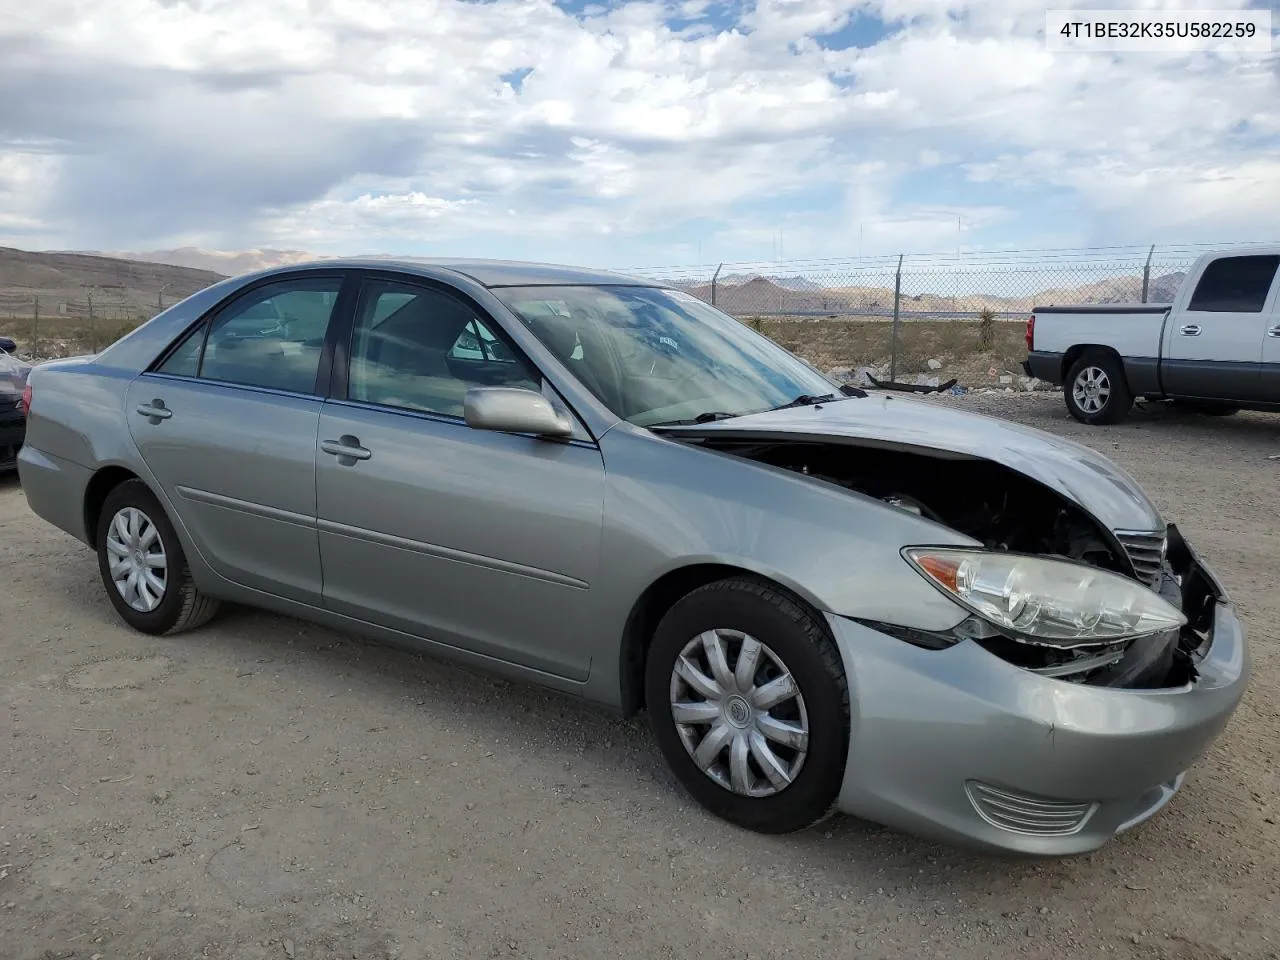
[620, 133]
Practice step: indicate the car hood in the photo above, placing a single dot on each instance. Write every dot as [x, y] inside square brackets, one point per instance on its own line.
[1086, 477]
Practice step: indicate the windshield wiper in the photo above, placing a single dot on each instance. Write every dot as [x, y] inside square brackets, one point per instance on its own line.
[806, 400]
[700, 418]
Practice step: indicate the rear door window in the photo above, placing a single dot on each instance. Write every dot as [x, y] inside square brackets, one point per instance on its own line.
[271, 337]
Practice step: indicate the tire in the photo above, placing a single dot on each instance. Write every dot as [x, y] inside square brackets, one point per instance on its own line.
[806, 781]
[180, 605]
[1207, 408]
[1095, 389]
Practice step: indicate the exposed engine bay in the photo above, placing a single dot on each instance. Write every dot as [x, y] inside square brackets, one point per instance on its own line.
[1008, 511]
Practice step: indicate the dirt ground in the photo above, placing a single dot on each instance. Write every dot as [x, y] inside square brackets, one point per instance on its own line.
[955, 344]
[262, 788]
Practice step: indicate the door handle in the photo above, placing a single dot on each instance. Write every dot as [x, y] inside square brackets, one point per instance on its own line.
[1190, 330]
[1274, 332]
[155, 411]
[346, 447]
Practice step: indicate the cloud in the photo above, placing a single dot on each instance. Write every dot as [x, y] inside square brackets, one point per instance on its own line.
[615, 134]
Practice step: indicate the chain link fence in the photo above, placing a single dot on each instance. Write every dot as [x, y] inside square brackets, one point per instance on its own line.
[936, 286]
[903, 313]
[46, 326]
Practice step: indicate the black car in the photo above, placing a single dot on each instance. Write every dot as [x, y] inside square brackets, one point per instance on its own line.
[13, 415]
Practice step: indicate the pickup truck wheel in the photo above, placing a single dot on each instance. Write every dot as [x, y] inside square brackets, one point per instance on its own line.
[1096, 391]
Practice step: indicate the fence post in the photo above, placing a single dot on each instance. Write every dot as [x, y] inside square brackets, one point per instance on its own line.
[35, 331]
[1146, 273]
[93, 330]
[714, 277]
[897, 300]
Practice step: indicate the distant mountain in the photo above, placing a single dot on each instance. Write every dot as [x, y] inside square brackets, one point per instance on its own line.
[747, 295]
[229, 263]
[64, 282]
[787, 283]
[1164, 289]
[1128, 289]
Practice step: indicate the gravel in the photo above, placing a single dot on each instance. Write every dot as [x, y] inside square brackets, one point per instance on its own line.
[266, 789]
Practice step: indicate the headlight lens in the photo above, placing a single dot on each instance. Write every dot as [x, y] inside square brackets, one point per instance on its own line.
[1052, 602]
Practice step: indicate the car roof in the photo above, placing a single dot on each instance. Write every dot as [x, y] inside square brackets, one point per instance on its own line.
[489, 273]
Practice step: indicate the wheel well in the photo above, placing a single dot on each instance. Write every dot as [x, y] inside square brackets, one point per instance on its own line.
[652, 606]
[1079, 350]
[95, 495]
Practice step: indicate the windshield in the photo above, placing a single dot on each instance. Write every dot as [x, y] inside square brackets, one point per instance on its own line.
[661, 356]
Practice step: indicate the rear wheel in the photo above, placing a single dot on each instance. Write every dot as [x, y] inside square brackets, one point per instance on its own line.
[143, 567]
[749, 704]
[1096, 390]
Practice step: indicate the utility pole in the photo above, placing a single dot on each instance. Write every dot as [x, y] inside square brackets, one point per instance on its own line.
[1146, 272]
[897, 300]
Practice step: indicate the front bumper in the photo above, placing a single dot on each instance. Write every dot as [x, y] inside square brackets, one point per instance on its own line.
[934, 732]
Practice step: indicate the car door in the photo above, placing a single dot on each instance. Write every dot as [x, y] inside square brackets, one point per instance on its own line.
[1269, 380]
[226, 422]
[481, 540]
[1213, 348]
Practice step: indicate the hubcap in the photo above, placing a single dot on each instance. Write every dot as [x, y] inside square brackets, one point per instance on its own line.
[1092, 389]
[136, 559]
[739, 713]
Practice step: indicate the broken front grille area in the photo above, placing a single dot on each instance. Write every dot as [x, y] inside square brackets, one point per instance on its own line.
[1166, 564]
[1146, 551]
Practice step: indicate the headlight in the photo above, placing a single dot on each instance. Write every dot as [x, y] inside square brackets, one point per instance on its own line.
[1051, 602]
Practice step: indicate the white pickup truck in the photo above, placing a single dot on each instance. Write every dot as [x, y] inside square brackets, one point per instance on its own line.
[1215, 349]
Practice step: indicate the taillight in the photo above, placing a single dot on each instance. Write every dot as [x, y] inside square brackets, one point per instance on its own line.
[26, 399]
[1031, 331]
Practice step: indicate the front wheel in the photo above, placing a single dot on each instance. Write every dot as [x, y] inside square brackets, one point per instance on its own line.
[750, 706]
[1096, 391]
[143, 567]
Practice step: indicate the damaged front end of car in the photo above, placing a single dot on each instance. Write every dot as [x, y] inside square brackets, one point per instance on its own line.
[1049, 588]
[1079, 623]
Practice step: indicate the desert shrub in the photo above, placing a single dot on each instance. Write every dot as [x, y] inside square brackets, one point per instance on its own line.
[986, 328]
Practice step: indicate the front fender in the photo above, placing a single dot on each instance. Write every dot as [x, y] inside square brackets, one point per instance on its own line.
[668, 505]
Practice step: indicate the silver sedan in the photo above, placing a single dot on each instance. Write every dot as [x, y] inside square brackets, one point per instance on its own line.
[826, 599]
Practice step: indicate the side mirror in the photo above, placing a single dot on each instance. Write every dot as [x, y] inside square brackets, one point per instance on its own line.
[7, 345]
[514, 410]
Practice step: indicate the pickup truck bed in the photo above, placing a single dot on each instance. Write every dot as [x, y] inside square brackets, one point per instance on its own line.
[1131, 329]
